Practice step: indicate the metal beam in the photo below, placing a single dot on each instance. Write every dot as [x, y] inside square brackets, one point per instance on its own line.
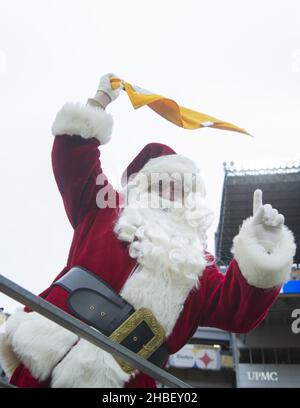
[5, 384]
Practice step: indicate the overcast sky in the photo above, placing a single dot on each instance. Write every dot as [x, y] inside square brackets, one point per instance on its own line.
[236, 60]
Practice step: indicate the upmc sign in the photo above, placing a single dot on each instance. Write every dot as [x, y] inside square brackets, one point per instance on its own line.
[269, 375]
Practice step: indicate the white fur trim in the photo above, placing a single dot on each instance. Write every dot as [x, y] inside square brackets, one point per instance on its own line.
[162, 293]
[85, 121]
[8, 359]
[38, 342]
[175, 164]
[260, 268]
[87, 366]
[172, 163]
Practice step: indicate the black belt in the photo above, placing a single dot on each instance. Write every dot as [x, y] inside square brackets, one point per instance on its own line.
[97, 304]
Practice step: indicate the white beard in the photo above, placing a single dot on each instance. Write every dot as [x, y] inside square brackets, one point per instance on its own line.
[169, 246]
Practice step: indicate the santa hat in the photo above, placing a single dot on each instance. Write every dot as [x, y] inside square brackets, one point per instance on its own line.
[159, 158]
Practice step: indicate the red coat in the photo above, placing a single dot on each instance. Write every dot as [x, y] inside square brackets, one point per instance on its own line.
[225, 301]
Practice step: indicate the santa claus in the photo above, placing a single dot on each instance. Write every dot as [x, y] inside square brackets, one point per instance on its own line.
[139, 256]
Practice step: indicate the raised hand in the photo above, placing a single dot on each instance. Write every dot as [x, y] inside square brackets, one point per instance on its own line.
[105, 93]
[105, 86]
[267, 222]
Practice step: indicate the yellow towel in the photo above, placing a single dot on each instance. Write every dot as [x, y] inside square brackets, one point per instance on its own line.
[170, 110]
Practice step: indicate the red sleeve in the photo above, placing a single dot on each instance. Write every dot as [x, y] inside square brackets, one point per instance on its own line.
[76, 165]
[228, 302]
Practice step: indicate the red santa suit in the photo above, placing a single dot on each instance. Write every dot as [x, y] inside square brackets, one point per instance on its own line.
[192, 292]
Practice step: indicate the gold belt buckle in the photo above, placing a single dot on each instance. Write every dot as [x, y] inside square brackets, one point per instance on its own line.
[124, 330]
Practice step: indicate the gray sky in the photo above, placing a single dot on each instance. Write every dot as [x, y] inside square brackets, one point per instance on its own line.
[236, 60]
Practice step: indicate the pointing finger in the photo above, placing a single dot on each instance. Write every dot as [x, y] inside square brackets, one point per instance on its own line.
[257, 200]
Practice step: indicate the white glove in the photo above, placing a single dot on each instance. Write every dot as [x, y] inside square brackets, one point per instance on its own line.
[105, 86]
[267, 223]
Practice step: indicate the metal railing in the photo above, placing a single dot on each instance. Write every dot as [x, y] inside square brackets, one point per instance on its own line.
[5, 384]
[86, 332]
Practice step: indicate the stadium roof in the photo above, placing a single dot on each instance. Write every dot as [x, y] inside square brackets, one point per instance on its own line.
[281, 188]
